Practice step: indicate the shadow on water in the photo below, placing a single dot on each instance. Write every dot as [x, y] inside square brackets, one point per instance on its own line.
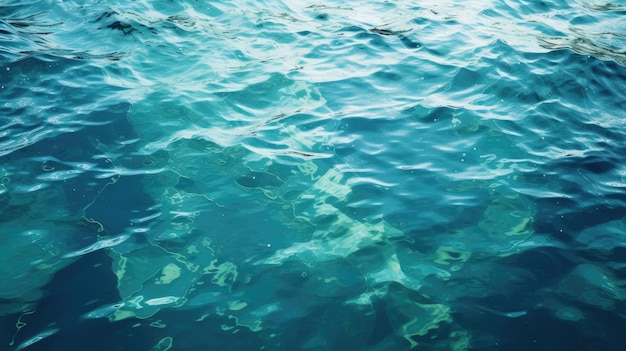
[73, 292]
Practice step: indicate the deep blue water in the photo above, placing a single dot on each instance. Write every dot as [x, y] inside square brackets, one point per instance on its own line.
[283, 175]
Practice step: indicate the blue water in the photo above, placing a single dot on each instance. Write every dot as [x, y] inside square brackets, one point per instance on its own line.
[301, 175]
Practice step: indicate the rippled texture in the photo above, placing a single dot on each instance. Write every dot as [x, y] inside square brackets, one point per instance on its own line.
[193, 175]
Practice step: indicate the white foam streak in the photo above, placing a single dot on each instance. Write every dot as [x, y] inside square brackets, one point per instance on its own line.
[100, 244]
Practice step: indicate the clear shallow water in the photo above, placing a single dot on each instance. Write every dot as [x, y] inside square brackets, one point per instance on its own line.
[312, 176]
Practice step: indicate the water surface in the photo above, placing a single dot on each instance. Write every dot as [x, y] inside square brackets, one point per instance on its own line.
[285, 175]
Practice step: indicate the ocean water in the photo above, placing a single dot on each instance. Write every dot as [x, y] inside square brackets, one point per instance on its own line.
[312, 175]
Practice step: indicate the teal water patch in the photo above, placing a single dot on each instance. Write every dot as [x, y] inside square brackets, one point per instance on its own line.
[297, 176]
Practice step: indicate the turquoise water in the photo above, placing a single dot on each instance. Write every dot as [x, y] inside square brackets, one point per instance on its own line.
[303, 175]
